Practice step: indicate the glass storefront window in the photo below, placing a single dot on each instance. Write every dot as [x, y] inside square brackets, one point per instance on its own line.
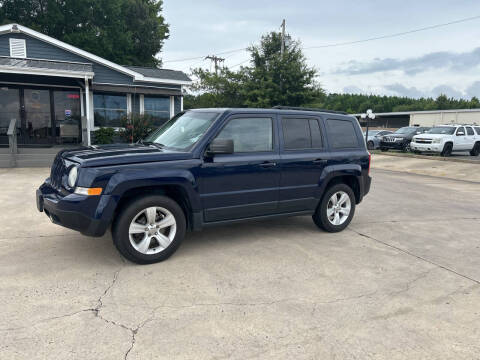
[109, 109]
[67, 116]
[9, 109]
[158, 108]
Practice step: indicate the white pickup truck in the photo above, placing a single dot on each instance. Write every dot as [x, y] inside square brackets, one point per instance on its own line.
[445, 139]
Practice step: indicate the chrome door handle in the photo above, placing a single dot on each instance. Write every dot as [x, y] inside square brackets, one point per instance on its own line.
[268, 164]
[320, 161]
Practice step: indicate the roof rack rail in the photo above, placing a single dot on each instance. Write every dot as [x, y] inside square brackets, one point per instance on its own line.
[279, 107]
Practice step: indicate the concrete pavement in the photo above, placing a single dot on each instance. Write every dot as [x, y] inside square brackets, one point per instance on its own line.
[401, 282]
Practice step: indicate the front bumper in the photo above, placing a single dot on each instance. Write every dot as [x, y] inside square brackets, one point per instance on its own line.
[90, 215]
[426, 147]
[397, 145]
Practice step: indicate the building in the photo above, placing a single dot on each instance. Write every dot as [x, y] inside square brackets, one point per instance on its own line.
[395, 120]
[60, 94]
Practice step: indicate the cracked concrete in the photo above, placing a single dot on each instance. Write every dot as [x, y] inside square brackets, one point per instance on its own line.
[402, 282]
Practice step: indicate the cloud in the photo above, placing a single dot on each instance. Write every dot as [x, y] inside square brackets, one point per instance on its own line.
[473, 90]
[447, 90]
[402, 90]
[352, 90]
[412, 66]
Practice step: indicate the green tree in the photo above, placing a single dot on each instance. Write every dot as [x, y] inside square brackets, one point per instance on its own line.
[129, 32]
[271, 79]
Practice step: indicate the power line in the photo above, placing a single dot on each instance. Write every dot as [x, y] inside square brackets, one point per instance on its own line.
[394, 34]
[347, 42]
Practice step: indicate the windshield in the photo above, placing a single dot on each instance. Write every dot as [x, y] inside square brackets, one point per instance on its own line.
[405, 130]
[183, 131]
[442, 130]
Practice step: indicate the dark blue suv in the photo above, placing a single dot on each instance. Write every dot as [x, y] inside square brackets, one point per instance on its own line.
[207, 167]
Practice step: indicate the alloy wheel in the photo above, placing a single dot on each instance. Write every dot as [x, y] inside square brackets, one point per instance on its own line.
[152, 230]
[338, 208]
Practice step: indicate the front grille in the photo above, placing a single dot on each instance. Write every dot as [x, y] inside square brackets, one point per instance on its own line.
[389, 139]
[423, 141]
[57, 172]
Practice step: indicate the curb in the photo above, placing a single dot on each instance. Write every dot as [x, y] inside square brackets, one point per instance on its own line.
[433, 157]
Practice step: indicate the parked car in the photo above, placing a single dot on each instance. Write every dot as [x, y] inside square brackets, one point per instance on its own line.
[446, 139]
[207, 167]
[400, 139]
[374, 138]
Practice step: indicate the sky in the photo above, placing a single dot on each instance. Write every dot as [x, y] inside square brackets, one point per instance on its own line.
[444, 60]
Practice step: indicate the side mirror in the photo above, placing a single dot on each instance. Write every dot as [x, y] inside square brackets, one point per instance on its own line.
[460, 133]
[220, 146]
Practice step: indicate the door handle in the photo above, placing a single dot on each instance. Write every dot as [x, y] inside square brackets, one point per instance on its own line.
[320, 161]
[268, 164]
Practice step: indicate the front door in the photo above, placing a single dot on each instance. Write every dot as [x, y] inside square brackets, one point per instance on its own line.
[243, 184]
[37, 117]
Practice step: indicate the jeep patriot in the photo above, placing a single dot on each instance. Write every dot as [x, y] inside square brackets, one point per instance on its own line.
[207, 167]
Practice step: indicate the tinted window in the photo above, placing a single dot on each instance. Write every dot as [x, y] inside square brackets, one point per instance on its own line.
[249, 134]
[158, 108]
[301, 134]
[341, 134]
[477, 129]
[469, 131]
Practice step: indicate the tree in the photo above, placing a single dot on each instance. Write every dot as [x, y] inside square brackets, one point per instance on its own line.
[271, 79]
[129, 32]
[276, 79]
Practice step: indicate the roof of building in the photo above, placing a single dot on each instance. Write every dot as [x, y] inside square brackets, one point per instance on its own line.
[136, 73]
[399, 113]
[160, 73]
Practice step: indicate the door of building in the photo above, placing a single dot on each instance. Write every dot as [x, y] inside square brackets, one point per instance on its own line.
[36, 124]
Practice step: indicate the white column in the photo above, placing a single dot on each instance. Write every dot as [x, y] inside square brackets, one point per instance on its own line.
[129, 104]
[87, 110]
[181, 98]
[172, 106]
[142, 104]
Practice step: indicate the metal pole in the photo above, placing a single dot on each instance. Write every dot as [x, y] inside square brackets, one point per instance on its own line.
[366, 132]
[87, 110]
[282, 50]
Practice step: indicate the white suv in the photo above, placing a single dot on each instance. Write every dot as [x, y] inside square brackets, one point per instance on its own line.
[445, 139]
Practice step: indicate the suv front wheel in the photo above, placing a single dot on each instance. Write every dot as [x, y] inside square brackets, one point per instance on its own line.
[336, 209]
[149, 229]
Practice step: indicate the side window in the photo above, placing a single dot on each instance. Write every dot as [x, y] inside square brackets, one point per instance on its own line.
[301, 134]
[249, 134]
[341, 134]
[460, 129]
[469, 131]
[477, 129]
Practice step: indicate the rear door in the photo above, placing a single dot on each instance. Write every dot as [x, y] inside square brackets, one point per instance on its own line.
[243, 184]
[303, 157]
[470, 139]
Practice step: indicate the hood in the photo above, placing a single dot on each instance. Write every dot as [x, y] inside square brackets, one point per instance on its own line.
[118, 154]
[430, 136]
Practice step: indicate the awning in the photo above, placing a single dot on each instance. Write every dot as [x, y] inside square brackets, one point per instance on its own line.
[137, 89]
[46, 67]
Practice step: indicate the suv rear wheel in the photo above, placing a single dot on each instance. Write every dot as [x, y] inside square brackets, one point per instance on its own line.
[476, 149]
[336, 209]
[149, 229]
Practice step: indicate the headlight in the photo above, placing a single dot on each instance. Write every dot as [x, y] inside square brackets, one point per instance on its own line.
[72, 176]
[413, 140]
[436, 141]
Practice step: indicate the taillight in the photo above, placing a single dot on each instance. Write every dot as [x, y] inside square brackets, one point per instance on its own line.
[369, 161]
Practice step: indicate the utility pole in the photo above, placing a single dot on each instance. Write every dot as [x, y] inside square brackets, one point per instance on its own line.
[216, 60]
[283, 38]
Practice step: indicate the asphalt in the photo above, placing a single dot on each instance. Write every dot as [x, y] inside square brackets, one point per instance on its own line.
[402, 282]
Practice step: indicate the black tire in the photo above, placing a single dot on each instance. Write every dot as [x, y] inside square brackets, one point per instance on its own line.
[370, 145]
[384, 149]
[406, 148]
[320, 217]
[121, 225]
[476, 149]
[447, 150]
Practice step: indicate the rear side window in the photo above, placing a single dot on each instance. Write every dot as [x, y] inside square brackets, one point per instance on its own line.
[341, 134]
[301, 134]
[477, 129]
[470, 131]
